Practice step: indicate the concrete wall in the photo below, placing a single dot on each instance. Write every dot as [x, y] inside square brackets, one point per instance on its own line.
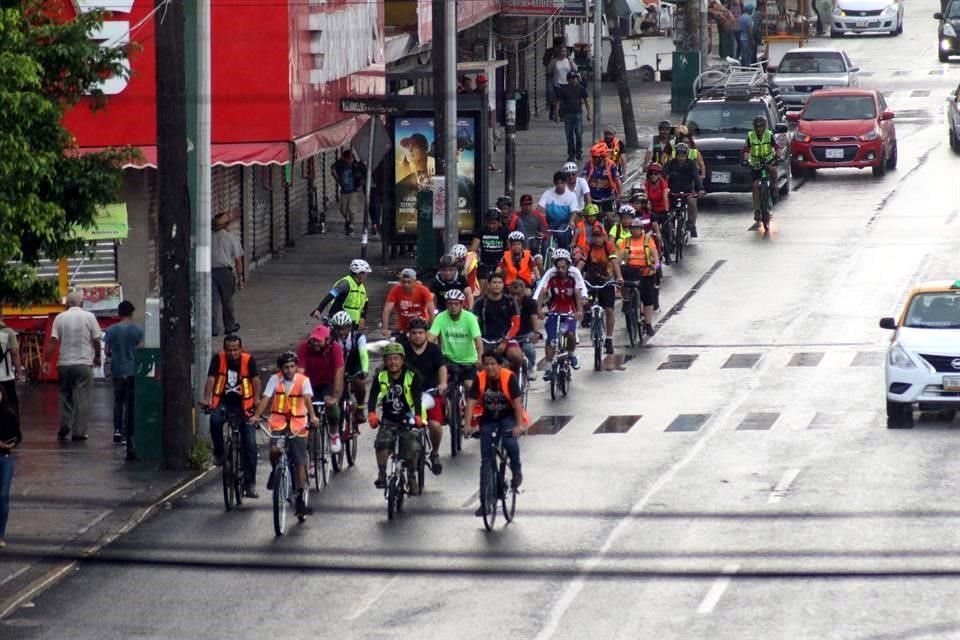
[136, 256]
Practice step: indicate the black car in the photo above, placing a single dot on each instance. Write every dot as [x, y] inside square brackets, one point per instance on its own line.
[953, 120]
[948, 42]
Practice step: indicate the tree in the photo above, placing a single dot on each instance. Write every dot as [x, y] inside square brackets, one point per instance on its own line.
[48, 64]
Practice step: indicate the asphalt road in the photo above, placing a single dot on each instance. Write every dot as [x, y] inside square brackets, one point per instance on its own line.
[756, 496]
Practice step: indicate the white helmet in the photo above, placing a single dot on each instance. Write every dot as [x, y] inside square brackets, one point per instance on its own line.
[454, 294]
[627, 210]
[570, 167]
[516, 236]
[562, 254]
[458, 251]
[360, 266]
[341, 319]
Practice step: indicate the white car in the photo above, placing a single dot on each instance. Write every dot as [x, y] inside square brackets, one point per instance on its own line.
[923, 362]
[803, 71]
[866, 16]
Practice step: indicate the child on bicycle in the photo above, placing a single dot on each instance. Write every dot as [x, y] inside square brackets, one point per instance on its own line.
[566, 299]
[396, 389]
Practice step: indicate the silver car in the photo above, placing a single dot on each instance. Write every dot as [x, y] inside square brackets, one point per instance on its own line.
[803, 71]
[866, 16]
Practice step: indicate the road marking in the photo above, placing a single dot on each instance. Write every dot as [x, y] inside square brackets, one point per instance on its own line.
[709, 602]
[82, 530]
[678, 307]
[14, 575]
[780, 491]
[469, 502]
[376, 596]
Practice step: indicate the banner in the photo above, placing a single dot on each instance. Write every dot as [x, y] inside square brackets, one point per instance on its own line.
[110, 223]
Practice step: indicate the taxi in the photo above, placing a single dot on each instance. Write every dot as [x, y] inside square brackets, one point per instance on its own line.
[922, 366]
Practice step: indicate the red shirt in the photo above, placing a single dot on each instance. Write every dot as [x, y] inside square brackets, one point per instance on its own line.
[562, 291]
[410, 305]
[655, 195]
[320, 366]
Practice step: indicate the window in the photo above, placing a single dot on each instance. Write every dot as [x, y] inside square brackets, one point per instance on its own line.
[827, 107]
[934, 311]
[812, 63]
[726, 117]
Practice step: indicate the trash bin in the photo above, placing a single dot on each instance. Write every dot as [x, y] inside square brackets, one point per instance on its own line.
[148, 406]
[686, 68]
[523, 110]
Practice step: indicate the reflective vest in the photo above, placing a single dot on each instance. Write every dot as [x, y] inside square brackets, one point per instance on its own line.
[246, 387]
[523, 270]
[692, 155]
[761, 149]
[505, 375]
[619, 233]
[289, 409]
[383, 380]
[614, 150]
[660, 150]
[638, 255]
[356, 297]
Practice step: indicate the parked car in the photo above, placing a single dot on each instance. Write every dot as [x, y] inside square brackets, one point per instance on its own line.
[953, 120]
[803, 71]
[844, 128]
[866, 16]
[923, 361]
[948, 42]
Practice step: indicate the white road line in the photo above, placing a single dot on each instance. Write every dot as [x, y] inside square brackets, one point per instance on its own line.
[82, 530]
[376, 596]
[719, 585]
[14, 575]
[783, 486]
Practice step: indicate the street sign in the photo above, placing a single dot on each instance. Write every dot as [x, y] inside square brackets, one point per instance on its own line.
[371, 105]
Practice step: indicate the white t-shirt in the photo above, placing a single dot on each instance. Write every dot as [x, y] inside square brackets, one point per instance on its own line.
[75, 329]
[560, 70]
[287, 385]
[581, 189]
[558, 207]
[577, 277]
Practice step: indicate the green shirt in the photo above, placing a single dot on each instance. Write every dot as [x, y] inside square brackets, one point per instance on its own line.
[457, 337]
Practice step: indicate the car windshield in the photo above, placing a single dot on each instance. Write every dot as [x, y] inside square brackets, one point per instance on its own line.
[723, 117]
[811, 63]
[953, 11]
[840, 108]
[934, 311]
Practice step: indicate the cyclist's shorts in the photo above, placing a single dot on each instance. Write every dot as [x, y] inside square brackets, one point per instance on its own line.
[461, 372]
[435, 405]
[296, 447]
[567, 325]
[606, 297]
[388, 431]
[606, 206]
[562, 239]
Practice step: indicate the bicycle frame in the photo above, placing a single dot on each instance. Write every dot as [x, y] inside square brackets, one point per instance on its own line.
[396, 487]
[598, 322]
[495, 486]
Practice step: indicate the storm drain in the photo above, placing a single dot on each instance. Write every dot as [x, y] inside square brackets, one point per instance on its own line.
[688, 422]
[617, 424]
[827, 420]
[758, 421]
[742, 361]
[806, 359]
[548, 425]
[867, 359]
[678, 361]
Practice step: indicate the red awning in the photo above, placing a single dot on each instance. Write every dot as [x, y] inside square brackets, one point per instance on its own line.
[328, 138]
[148, 156]
[250, 153]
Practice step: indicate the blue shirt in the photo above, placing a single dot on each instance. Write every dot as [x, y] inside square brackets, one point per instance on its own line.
[122, 340]
[746, 28]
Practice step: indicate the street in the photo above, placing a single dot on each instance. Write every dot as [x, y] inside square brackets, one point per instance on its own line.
[753, 492]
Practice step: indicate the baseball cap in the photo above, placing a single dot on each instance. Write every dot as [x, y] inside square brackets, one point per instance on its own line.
[408, 273]
[525, 198]
[320, 332]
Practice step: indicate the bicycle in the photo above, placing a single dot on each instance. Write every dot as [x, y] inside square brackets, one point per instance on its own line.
[552, 245]
[681, 215]
[456, 401]
[495, 486]
[561, 371]
[598, 323]
[765, 194]
[232, 473]
[283, 483]
[426, 450]
[631, 313]
[318, 444]
[349, 430]
[396, 487]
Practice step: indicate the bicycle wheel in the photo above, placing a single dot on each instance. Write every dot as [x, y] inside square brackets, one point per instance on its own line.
[421, 469]
[353, 433]
[508, 495]
[280, 498]
[313, 443]
[324, 459]
[524, 382]
[678, 237]
[392, 491]
[238, 476]
[226, 476]
[401, 489]
[306, 503]
[454, 417]
[765, 204]
[336, 459]
[564, 379]
[630, 318]
[554, 373]
[488, 495]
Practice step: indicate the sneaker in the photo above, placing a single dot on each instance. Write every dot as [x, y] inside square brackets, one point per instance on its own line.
[435, 465]
[348, 229]
[579, 157]
[608, 346]
[335, 445]
[301, 508]
[574, 362]
[585, 323]
[517, 480]
[2, 543]
[648, 329]
[63, 436]
[117, 437]
[234, 329]
[381, 481]
[413, 487]
[251, 492]
[756, 215]
[692, 228]
[360, 415]
[80, 438]
[479, 512]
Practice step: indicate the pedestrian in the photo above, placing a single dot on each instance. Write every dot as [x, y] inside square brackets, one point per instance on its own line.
[121, 341]
[350, 175]
[9, 438]
[557, 73]
[824, 16]
[77, 334]
[747, 44]
[548, 57]
[572, 101]
[227, 275]
[9, 364]
[727, 27]
[378, 180]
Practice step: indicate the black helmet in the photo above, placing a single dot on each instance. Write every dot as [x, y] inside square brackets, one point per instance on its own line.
[493, 214]
[760, 121]
[664, 124]
[504, 201]
[417, 323]
[286, 358]
[447, 261]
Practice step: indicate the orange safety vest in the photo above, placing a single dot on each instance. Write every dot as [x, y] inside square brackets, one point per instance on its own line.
[512, 271]
[246, 388]
[289, 409]
[505, 374]
[638, 255]
[614, 150]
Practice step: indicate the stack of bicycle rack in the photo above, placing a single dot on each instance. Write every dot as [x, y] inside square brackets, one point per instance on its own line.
[736, 82]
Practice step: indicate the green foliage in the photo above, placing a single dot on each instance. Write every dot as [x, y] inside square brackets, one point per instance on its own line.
[201, 455]
[48, 63]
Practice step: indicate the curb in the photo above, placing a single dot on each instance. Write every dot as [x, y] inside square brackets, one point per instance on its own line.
[48, 577]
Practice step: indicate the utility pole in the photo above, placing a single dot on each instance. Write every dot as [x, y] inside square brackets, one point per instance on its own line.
[510, 151]
[173, 236]
[623, 89]
[597, 68]
[451, 219]
[438, 60]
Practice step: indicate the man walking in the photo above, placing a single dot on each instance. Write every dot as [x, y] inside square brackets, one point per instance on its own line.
[350, 175]
[9, 365]
[226, 260]
[121, 341]
[572, 103]
[77, 333]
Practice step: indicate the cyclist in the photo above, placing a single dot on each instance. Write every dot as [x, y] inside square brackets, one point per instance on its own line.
[640, 257]
[761, 148]
[458, 333]
[448, 279]
[658, 194]
[289, 396]
[396, 390]
[576, 184]
[491, 242]
[565, 298]
[518, 263]
[661, 147]
[349, 294]
[683, 176]
[497, 403]
[529, 332]
[426, 359]
[603, 177]
[599, 264]
[621, 230]
[559, 206]
[532, 224]
[466, 265]
[499, 320]
[584, 228]
[683, 135]
[411, 299]
[505, 205]
[617, 151]
[320, 358]
[233, 386]
[355, 358]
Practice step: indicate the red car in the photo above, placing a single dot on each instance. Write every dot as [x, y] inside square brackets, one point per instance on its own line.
[844, 128]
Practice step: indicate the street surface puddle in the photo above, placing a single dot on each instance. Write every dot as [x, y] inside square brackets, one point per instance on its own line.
[867, 359]
[678, 361]
[617, 424]
[827, 420]
[920, 93]
[688, 422]
[548, 425]
[741, 361]
[808, 359]
[758, 421]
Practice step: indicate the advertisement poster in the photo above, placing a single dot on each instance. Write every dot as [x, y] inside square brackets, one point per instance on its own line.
[414, 151]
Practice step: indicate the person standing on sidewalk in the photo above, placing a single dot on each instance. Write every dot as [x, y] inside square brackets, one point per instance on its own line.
[572, 102]
[558, 71]
[121, 341]
[9, 364]
[10, 437]
[351, 176]
[77, 333]
[227, 274]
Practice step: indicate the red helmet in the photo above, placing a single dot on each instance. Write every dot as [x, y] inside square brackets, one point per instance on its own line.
[599, 150]
[654, 167]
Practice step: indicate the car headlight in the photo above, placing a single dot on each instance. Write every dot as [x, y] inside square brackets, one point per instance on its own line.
[837, 11]
[899, 358]
[870, 135]
[890, 10]
[949, 31]
[802, 137]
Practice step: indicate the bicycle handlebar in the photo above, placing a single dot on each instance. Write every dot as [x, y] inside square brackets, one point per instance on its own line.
[608, 283]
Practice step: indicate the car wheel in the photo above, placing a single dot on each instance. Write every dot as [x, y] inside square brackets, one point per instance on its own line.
[892, 161]
[944, 56]
[880, 169]
[899, 415]
[899, 27]
[785, 189]
[954, 140]
[835, 34]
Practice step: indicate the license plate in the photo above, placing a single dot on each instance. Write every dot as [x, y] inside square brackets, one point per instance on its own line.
[861, 23]
[720, 177]
[951, 383]
[835, 153]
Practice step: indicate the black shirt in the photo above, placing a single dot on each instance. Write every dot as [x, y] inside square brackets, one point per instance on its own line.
[571, 97]
[427, 364]
[440, 288]
[496, 404]
[493, 244]
[9, 426]
[528, 310]
[683, 178]
[232, 397]
[495, 316]
[394, 402]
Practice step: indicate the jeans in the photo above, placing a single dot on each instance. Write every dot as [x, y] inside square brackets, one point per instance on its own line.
[551, 97]
[488, 430]
[6, 479]
[123, 408]
[76, 385]
[248, 443]
[224, 286]
[573, 123]
[728, 43]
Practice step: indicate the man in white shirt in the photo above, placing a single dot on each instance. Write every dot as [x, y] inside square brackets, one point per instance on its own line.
[77, 333]
[577, 184]
[9, 365]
